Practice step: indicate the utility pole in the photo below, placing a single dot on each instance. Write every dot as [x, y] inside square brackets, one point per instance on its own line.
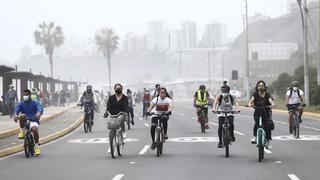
[209, 72]
[305, 60]
[222, 70]
[318, 62]
[246, 80]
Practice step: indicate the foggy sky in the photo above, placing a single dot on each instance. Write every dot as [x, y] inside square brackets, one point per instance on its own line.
[20, 18]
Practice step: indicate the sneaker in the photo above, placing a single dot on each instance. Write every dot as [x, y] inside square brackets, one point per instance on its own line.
[153, 146]
[165, 136]
[290, 130]
[268, 145]
[220, 145]
[37, 151]
[132, 122]
[233, 139]
[21, 135]
[300, 120]
[124, 135]
[253, 140]
[207, 126]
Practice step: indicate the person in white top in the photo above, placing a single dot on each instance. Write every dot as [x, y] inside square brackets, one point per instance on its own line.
[159, 105]
[155, 92]
[294, 97]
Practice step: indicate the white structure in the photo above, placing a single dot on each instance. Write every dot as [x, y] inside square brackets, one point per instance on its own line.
[272, 51]
[256, 18]
[189, 35]
[215, 35]
[134, 42]
[156, 35]
[174, 40]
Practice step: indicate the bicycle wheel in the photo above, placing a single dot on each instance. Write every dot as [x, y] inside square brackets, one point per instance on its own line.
[260, 146]
[161, 141]
[112, 142]
[85, 124]
[158, 141]
[89, 124]
[226, 138]
[202, 124]
[26, 146]
[31, 144]
[294, 125]
[297, 128]
[128, 122]
[119, 143]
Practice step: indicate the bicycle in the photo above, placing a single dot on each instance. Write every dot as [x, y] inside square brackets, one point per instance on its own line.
[159, 131]
[29, 143]
[295, 125]
[115, 134]
[202, 117]
[226, 134]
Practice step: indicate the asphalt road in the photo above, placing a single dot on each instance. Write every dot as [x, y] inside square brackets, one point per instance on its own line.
[189, 154]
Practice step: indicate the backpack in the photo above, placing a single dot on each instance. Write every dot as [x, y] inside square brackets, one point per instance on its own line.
[231, 99]
[298, 91]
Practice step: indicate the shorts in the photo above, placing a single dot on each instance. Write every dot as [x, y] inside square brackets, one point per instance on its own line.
[290, 108]
[33, 124]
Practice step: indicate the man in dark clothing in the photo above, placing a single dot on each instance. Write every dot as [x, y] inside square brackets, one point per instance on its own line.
[118, 103]
[11, 99]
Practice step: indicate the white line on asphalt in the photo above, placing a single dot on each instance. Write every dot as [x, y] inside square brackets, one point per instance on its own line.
[109, 150]
[241, 134]
[213, 123]
[307, 127]
[280, 122]
[140, 119]
[194, 118]
[267, 151]
[181, 114]
[144, 150]
[249, 117]
[118, 177]
[293, 177]
[146, 124]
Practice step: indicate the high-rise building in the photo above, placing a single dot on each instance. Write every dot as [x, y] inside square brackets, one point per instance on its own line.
[134, 42]
[215, 35]
[156, 35]
[174, 40]
[188, 35]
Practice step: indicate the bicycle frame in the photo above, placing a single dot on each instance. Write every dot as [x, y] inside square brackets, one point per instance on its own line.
[261, 132]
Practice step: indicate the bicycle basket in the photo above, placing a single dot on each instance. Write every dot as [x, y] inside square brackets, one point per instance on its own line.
[113, 123]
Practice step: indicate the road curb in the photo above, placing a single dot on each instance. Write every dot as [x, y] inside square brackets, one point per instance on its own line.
[44, 140]
[15, 131]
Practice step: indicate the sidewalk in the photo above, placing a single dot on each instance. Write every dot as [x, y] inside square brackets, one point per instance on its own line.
[8, 127]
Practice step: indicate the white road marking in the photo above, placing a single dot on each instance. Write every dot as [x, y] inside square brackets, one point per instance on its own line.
[118, 177]
[293, 177]
[280, 122]
[144, 150]
[307, 127]
[301, 138]
[98, 140]
[194, 118]
[109, 150]
[241, 134]
[278, 162]
[267, 151]
[181, 114]
[194, 139]
[132, 163]
[140, 119]
[146, 124]
[213, 123]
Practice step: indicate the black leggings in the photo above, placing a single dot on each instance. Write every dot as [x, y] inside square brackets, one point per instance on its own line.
[131, 113]
[221, 122]
[154, 123]
[264, 123]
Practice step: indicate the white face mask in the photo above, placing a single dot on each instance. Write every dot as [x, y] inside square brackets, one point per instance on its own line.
[25, 98]
[295, 88]
[224, 94]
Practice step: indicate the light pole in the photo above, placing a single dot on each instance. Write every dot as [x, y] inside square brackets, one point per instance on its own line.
[318, 62]
[246, 79]
[209, 72]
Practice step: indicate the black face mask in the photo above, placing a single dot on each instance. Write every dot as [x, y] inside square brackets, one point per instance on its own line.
[118, 91]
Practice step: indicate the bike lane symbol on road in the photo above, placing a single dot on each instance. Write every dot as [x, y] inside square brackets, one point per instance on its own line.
[193, 139]
[98, 140]
[301, 138]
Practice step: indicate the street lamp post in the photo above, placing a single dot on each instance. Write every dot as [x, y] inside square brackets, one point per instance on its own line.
[209, 71]
[246, 79]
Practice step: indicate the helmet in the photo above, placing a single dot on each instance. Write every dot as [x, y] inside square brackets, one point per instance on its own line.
[89, 88]
[225, 88]
[157, 86]
[203, 87]
[295, 84]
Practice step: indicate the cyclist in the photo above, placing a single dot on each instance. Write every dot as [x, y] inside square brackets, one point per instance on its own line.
[30, 110]
[201, 98]
[261, 98]
[294, 96]
[146, 102]
[225, 101]
[155, 92]
[130, 105]
[159, 105]
[118, 103]
[88, 98]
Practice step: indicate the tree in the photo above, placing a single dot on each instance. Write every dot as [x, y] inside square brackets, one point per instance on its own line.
[281, 84]
[107, 43]
[50, 36]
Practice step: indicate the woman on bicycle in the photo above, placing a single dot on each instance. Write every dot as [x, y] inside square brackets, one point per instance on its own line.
[263, 100]
[225, 101]
[159, 105]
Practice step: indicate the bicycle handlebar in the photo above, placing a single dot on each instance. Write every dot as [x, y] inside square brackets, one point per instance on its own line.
[162, 114]
[226, 112]
[112, 116]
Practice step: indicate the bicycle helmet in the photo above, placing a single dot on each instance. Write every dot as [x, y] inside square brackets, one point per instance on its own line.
[203, 87]
[225, 88]
[295, 84]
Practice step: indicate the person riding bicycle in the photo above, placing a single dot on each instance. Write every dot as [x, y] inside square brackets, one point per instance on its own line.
[294, 97]
[146, 102]
[88, 98]
[130, 105]
[118, 103]
[225, 101]
[261, 98]
[30, 110]
[155, 92]
[159, 105]
[201, 100]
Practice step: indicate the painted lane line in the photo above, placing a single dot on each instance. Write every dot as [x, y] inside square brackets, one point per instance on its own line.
[146, 124]
[213, 123]
[181, 114]
[194, 118]
[109, 150]
[241, 134]
[293, 177]
[118, 177]
[140, 119]
[267, 151]
[144, 150]
[280, 122]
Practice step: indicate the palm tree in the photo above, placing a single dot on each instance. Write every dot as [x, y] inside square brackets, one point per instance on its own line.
[50, 36]
[107, 43]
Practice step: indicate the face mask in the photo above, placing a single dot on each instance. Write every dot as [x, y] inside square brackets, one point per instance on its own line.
[225, 94]
[295, 88]
[25, 98]
[118, 91]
